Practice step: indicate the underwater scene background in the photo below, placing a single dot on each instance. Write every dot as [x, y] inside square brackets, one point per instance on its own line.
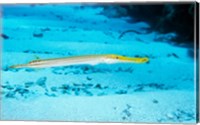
[159, 91]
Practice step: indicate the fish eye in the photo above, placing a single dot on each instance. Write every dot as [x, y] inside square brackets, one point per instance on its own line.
[117, 57]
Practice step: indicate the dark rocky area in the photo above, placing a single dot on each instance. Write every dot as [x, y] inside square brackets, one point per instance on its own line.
[162, 18]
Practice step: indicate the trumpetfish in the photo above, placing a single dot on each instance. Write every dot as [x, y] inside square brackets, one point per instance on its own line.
[77, 60]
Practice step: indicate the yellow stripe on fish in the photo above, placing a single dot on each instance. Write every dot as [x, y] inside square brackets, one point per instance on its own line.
[77, 60]
[129, 59]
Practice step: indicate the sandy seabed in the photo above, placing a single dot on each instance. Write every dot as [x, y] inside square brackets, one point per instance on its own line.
[159, 91]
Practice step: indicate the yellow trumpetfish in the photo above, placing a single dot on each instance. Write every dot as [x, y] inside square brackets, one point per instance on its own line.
[77, 60]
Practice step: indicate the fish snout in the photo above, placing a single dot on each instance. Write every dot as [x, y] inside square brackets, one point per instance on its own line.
[135, 60]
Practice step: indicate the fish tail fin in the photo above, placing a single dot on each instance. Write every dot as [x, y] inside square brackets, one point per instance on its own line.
[17, 66]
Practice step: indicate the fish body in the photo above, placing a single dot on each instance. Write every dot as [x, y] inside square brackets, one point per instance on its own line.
[78, 60]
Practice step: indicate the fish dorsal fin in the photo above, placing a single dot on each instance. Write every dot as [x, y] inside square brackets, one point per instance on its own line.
[36, 60]
[37, 57]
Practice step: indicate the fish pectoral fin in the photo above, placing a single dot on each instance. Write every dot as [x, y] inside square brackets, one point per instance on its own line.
[109, 61]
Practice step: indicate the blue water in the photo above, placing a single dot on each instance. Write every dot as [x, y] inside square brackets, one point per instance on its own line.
[161, 90]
